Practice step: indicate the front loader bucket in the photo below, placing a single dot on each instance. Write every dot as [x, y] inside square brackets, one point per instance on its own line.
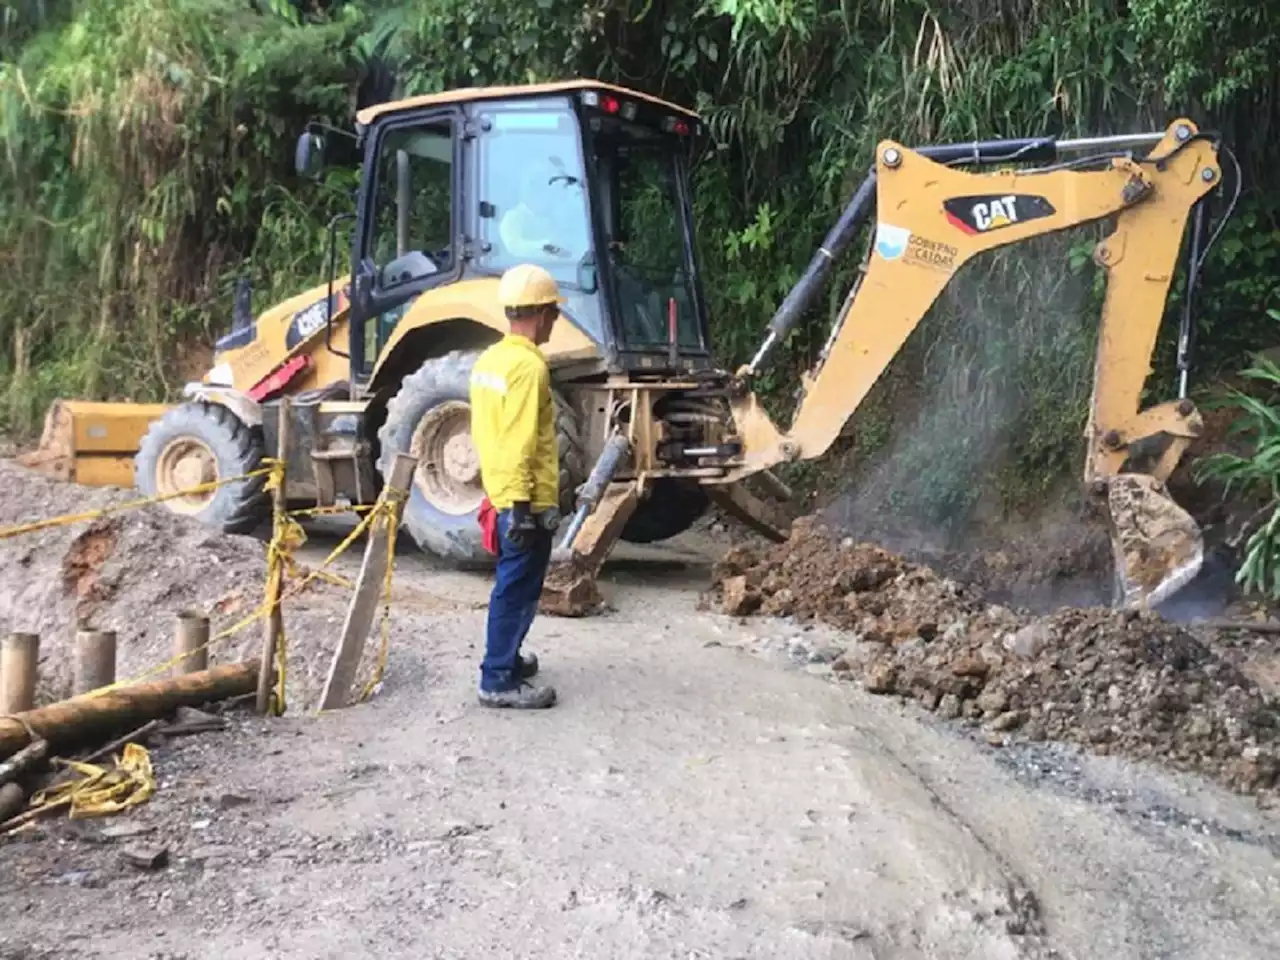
[1157, 546]
[90, 443]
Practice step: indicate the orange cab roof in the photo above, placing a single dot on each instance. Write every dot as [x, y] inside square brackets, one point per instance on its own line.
[467, 94]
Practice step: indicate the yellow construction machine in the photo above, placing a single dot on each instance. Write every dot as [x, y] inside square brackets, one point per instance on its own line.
[592, 181]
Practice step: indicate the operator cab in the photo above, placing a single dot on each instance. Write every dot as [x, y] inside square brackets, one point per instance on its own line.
[588, 181]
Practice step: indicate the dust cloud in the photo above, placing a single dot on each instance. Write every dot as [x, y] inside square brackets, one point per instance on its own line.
[986, 405]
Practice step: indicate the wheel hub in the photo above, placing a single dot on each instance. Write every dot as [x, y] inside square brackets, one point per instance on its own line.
[448, 473]
[461, 463]
[184, 463]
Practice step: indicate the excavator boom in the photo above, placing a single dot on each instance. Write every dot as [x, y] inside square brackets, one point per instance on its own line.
[933, 217]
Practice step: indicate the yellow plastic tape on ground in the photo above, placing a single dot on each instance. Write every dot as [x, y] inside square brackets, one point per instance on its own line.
[68, 519]
[99, 791]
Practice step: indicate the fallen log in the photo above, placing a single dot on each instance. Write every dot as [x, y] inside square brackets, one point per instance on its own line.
[73, 722]
[23, 760]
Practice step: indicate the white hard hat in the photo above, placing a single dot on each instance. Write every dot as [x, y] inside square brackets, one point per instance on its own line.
[528, 285]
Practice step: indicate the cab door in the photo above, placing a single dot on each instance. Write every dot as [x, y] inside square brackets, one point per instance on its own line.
[408, 225]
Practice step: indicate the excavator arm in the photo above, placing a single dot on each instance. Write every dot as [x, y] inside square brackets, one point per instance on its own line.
[931, 218]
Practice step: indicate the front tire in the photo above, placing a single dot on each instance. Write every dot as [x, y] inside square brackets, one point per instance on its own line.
[196, 443]
[430, 418]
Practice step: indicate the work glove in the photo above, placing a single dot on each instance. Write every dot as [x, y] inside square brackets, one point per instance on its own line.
[522, 531]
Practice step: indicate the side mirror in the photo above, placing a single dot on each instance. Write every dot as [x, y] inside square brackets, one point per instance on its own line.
[308, 155]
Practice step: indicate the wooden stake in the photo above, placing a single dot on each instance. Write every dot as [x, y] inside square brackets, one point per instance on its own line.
[95, 661]
[19, 654]
[138, 736]
[190, 642]
[368, 588]
[273, 623]
[72, 722]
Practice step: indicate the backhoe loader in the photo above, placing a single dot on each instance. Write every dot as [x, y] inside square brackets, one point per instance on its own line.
[592, 181]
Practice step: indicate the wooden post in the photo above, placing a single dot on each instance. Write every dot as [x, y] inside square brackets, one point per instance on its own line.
[19, 654]
[273, 622]
[12, 799]
[364, 599]
[190, 641]
[95, 661]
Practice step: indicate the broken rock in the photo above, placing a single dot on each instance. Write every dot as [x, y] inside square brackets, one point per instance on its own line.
[881, 678]
[738, 599]
[145, 857]
[1027, 642]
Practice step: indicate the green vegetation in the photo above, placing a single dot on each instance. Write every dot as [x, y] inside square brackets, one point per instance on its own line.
[1257, 473]
[147, 162]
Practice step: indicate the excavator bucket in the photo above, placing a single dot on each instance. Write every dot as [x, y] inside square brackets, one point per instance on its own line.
[92, 444]
[1157, 546]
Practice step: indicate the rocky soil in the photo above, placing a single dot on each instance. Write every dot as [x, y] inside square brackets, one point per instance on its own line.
[1131, 684]
[693, 795]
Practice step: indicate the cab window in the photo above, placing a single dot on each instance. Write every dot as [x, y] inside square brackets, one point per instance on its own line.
[533, 190]
[413, 206]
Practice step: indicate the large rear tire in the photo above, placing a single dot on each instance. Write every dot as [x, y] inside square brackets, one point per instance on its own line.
[671, 508]
[430, 418]
[196, 443]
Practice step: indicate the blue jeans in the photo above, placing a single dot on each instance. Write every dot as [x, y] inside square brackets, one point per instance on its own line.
[512, 605]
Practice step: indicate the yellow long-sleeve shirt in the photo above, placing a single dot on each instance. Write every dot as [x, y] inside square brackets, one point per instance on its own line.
[513, 425]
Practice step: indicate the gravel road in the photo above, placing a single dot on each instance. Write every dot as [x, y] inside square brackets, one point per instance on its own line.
[701, 791]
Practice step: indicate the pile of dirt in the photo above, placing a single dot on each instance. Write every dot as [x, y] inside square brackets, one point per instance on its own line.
[131, 572]
[1128, 683]
[1060, 556]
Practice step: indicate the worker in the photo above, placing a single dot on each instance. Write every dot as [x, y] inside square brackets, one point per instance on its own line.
[513, 429]
[550, 219]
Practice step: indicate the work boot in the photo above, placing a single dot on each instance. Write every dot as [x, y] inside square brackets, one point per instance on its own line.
[524, 697]
[528, 665]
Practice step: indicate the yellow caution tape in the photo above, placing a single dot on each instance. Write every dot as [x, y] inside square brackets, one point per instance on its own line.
[68, 519]
[286, 537]
[99, 791]
[263, 610]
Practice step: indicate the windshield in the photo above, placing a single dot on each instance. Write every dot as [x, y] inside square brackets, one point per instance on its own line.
[533, 202]
[646, 240]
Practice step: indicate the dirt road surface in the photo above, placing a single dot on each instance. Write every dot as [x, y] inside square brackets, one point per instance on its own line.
[703, 790]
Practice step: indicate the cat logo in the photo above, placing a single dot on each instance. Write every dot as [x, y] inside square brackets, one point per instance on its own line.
[315, 317]
[998, 213]
[982, 214]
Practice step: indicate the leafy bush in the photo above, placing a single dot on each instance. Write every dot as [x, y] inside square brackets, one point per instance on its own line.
[1257, 473]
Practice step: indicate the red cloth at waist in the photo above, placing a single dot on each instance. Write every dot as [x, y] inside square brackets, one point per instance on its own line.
[488, 526]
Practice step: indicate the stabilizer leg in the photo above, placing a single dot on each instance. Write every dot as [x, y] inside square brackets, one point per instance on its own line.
[570, 589]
